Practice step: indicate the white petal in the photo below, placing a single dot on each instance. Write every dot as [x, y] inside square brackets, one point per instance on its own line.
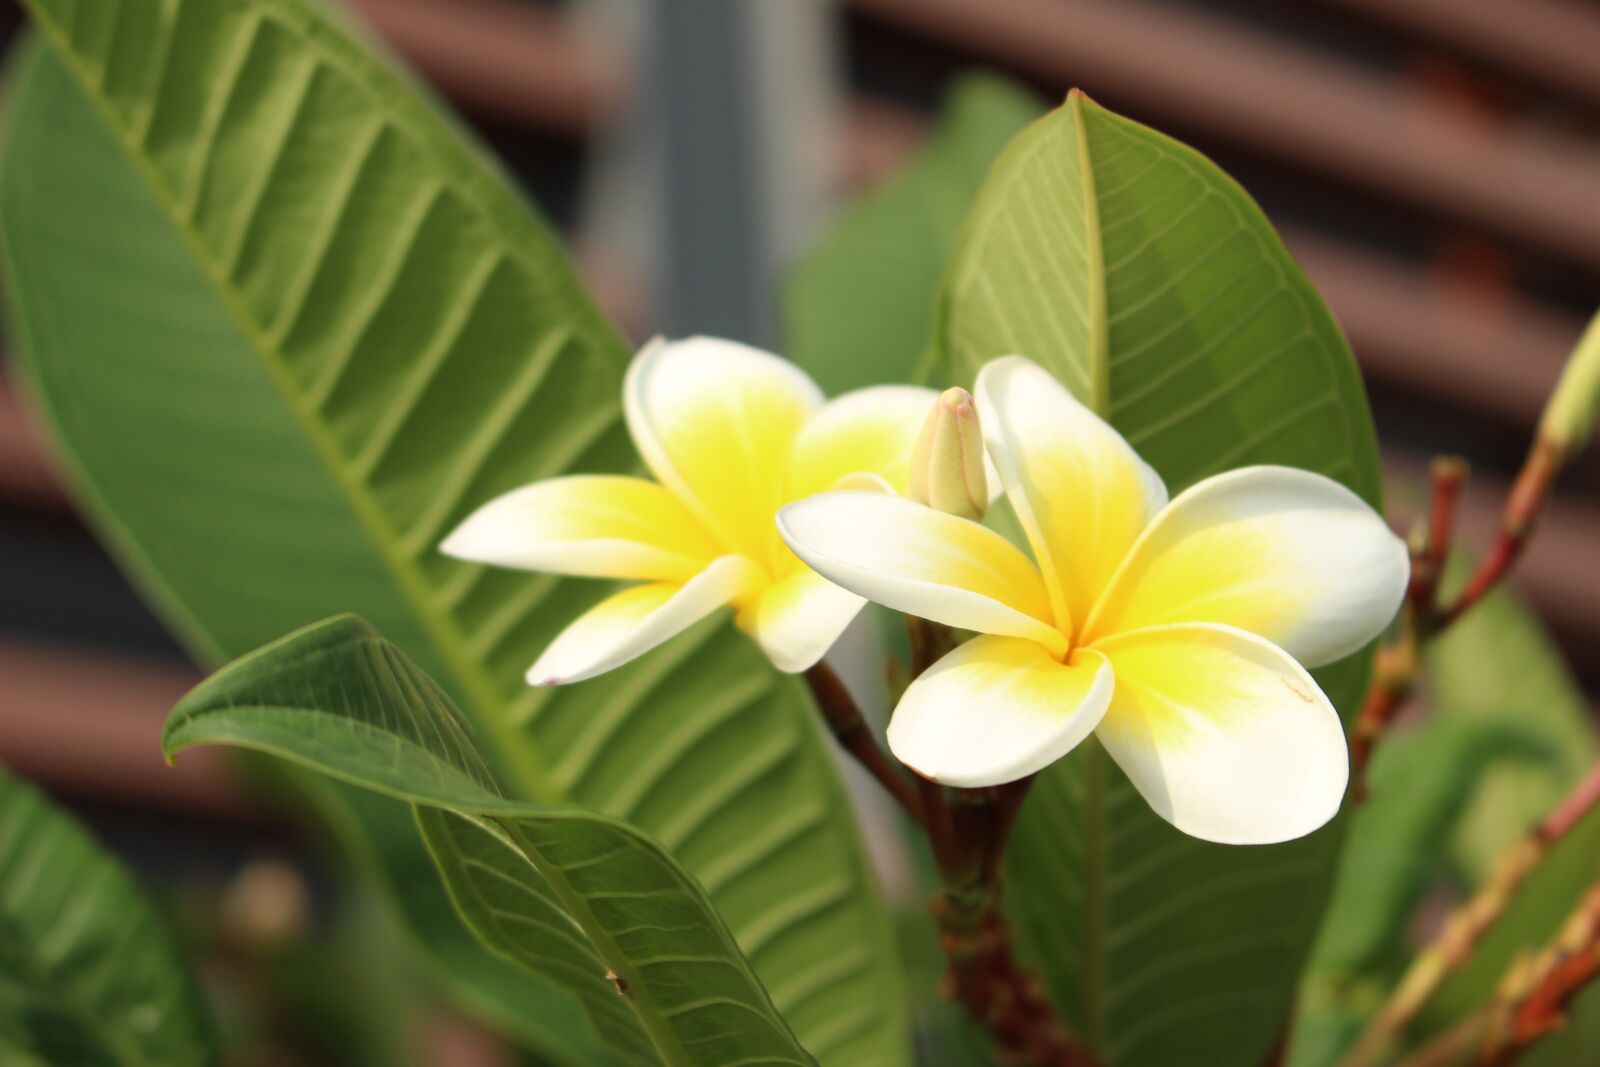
[1226, 736]
[997, 709]
[597, 526]
[1284, 553]
[922, 562]
[796, 620]
[632, 622]
[715, 421]
[1080, 491]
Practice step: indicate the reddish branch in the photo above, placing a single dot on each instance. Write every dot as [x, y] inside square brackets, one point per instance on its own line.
[1532, 1000]
[1517, 524]
[1394, 678]
[1557, 976]
[1462, 931]
[986, 980]
[1422, 616]
[968, 829]
[844, 719]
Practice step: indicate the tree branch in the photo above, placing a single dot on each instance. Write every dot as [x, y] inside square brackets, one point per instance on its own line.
[1463, 930]
[1521, 514]
[1531, 1001]
[1422, 617]
[1562, 971]
[844, 719]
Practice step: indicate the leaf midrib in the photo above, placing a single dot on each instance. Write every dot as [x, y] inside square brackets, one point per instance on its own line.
[646, 1010]
[1094, 808]
[528, 771]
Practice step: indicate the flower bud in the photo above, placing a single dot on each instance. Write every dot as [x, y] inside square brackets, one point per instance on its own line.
[1570, 415]
[947, 463]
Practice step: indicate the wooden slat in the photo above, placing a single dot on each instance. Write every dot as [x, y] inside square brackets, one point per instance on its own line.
[1171, 63]
[510, 59]
[1414, 330]
[1180, 65]
[25, 475]
[1547, 42]
[88, 725]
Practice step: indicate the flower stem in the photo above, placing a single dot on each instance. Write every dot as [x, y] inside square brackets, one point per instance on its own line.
[986, 980]
[1422, 617]
[844, 719]
[984, 976]
[1516, 527]
[1571, 963]
[968, 830]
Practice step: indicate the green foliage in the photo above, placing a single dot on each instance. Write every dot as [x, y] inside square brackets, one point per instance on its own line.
[1505, 734]
[287, 328]
[1499, 665]
[89, 975]
[858, 306]
[380, 837]
[339, 699]
[1146, 280]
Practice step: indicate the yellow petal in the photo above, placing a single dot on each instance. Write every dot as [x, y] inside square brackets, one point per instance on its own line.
[869, 431]
[1080, 491]
[796, 620]
[715, 421]
[597, 526]
[630, 623]
[998, 709]
[1225, 735]
[923, 562]
[1284, 553]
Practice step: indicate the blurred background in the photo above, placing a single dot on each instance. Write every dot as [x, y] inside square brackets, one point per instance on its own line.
[1433, 164]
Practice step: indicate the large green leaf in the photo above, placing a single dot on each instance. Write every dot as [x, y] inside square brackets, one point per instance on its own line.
[338, 698]
[89, 975]
[288, 328]
[858, 306]
[1150, 284]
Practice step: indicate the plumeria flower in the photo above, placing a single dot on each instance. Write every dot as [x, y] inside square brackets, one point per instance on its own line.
[730, 433]
[1179, 632]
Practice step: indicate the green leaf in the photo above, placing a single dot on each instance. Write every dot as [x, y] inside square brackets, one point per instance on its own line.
[89, 975]
[380, 836]
[1151, 285]
[858, 306]
[288, 328]
[339, 699]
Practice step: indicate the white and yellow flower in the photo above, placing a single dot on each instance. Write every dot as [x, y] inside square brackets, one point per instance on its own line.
[1170, 629]
[730, 433]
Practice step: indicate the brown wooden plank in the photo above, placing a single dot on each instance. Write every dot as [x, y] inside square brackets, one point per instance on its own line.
[88, 725]
[1178, 64]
